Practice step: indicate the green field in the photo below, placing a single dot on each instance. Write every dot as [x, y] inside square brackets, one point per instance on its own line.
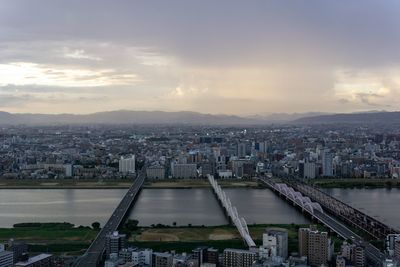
[355, 183]
[63, 183]
[201, 183]
[49, 233]
[65, 238]
[122, 183]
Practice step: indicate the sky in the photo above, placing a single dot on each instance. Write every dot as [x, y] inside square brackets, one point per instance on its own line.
[220, 57]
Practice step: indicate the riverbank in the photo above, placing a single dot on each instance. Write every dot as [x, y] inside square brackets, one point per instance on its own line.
[122, 184]
[355, 183]
[66, 238]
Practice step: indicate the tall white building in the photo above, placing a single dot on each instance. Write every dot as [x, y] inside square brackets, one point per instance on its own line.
[127, 165]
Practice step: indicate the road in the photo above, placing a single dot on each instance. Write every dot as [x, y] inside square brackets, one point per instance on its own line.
[372, 253]
[94, 253]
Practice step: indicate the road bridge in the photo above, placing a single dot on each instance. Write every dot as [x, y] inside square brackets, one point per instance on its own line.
[94, 253]
[314, 209]
[231, 211]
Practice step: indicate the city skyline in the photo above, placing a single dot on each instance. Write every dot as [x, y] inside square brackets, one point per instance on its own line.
[225, 57]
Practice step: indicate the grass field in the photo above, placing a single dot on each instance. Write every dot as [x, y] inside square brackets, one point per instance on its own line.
[355, 182]
[49, 233]
[65, 238]
[200, 183]
[65, 183]
[125, 183]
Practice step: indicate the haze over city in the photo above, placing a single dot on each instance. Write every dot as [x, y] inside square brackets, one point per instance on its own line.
[219, 57]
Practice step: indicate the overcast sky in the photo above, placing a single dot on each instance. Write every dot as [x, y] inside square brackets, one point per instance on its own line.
[231, 57]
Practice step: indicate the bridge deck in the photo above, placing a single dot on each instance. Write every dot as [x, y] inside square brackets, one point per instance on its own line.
[94, 253]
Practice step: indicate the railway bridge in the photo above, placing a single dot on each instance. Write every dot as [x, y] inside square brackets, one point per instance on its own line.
[317, 212]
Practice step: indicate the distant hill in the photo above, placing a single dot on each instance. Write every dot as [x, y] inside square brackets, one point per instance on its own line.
[125, 117]
[285, 117]
[353, 118]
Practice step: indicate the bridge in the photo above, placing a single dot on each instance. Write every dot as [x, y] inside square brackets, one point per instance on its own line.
[231, 211]
[346, 213]
[315, 211]
[94, 253]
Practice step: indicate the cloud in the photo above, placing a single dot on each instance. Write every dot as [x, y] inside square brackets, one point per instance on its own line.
[225, 56]
[27, 73]
[79, 54]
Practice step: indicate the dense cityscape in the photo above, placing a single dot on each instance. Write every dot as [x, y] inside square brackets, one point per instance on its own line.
[201, 133]
[177, 153]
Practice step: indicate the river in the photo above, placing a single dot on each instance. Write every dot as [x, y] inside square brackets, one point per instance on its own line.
[196, 206]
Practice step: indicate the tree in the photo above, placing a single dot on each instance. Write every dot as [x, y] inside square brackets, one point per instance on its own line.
[174, 224]
[131, 225]
[96, 225]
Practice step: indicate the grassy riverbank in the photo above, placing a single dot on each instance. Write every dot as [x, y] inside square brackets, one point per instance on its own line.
[119, 184]
[356, 183]
[66, 238]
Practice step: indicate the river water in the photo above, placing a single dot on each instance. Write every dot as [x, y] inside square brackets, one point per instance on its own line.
[183, 206]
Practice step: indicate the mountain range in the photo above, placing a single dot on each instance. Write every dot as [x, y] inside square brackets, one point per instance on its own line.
[187, 117]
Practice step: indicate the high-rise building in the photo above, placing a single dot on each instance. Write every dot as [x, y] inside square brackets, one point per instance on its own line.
[303, 241]
[115, 242]
[276, 241]
[315, 245]
[6, 259]
[127, 165]
[319, 251]
[327, 163]
[241, 150]
[359, 257]
[162, 260]
[239, 258]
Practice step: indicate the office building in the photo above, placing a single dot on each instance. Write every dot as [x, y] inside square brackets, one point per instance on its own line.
[42, 260]
[114, 243]
[6, 259]
[182, 170]
[162, 260]
[127, 165]
[238, 258]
